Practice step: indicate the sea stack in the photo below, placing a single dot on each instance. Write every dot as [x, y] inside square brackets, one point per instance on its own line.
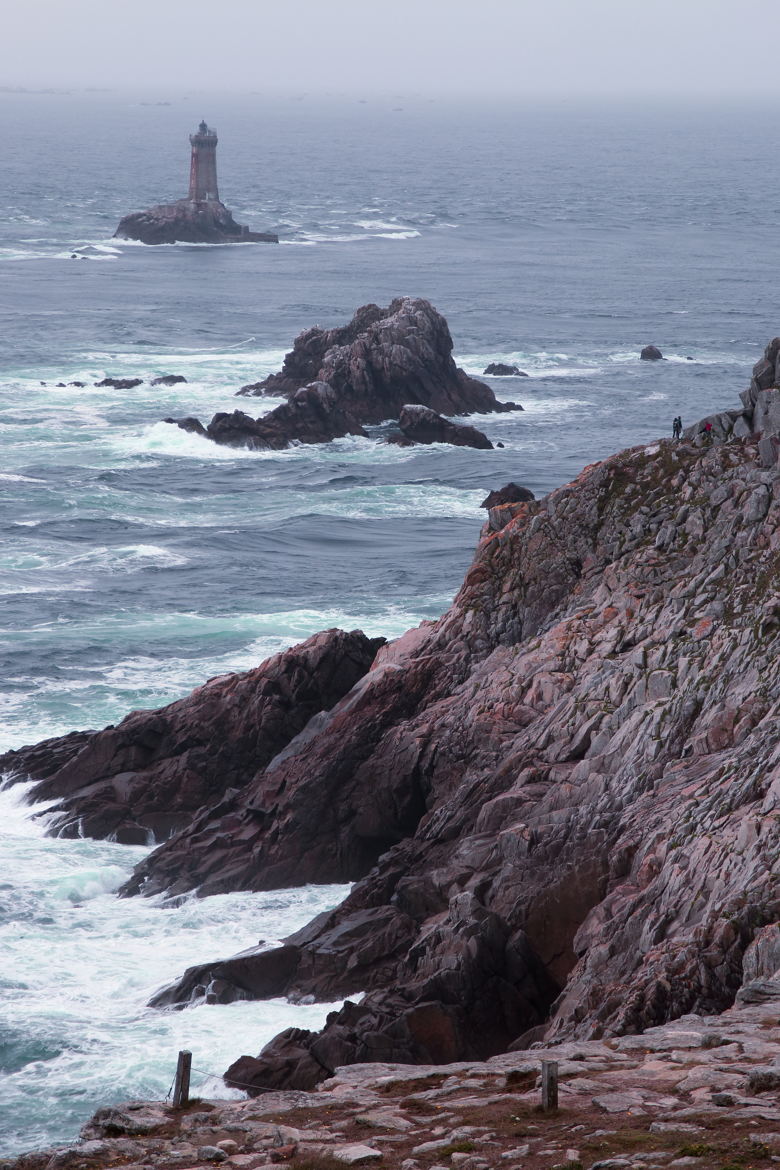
[200, 218]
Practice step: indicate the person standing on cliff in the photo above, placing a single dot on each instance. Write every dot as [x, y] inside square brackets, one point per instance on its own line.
[677, 427]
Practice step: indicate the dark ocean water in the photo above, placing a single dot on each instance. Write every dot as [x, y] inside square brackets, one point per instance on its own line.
[136, 560]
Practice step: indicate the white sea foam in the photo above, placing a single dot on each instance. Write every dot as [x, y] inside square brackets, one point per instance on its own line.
[352, 238]
[379, 224]
[531, 406]
[131, 558]
[76, 1029]
[167, 439]
[534, 364]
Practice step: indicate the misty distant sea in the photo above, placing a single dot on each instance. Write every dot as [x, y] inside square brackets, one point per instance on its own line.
[138, 560]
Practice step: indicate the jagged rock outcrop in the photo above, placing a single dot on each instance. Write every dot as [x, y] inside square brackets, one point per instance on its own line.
[420, 424]
[383, 359]
[338, 381]
[149, 775]
[499, 504]
[189, 222]
[759, 414]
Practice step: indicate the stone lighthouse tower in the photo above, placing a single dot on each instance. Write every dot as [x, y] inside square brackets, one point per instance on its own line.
[198, 219]
[203, 166]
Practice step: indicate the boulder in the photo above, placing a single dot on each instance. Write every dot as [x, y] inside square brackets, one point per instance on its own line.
[157, 769]
[651, 353]
[120, 383]
[504, 505]
[168, 380]
[502, 370]
[187, 221]
[420, 424]
[510, 493]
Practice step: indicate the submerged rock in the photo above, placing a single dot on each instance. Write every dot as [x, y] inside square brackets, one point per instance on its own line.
[503, 370]
[120, 383]
[168, 380]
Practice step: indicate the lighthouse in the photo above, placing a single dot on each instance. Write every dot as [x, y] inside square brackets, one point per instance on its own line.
[203, 166]
[200, 218]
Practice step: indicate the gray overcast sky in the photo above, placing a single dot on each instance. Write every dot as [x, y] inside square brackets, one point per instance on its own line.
[364, 46]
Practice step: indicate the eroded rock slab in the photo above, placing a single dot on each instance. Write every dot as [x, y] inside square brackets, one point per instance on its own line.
[476, 1113]
[149, 775]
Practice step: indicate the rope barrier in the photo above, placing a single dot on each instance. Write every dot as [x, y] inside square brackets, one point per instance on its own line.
[233, 1083]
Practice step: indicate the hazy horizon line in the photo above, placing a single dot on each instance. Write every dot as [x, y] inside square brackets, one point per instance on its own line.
[359, 94]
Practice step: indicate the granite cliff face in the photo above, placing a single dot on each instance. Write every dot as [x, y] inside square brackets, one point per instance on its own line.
[560, 802]
[581, 768]
[338, 381]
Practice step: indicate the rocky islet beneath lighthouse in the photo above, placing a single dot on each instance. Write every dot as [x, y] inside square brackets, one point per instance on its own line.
[201, 218]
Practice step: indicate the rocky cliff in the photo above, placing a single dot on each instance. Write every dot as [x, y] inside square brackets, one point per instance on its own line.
[338, 381]
[568, 787]
[560, 802]
[758, 415]
[153, 772]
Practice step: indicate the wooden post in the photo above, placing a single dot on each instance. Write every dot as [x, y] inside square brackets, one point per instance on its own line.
[549, 1085]
[181, 1086]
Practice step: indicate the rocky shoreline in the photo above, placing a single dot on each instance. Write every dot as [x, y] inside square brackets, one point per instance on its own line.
[699, 1092]
[560, 802]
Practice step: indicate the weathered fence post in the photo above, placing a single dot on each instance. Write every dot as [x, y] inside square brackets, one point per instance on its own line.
[181, 1086]
[549, 1085]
